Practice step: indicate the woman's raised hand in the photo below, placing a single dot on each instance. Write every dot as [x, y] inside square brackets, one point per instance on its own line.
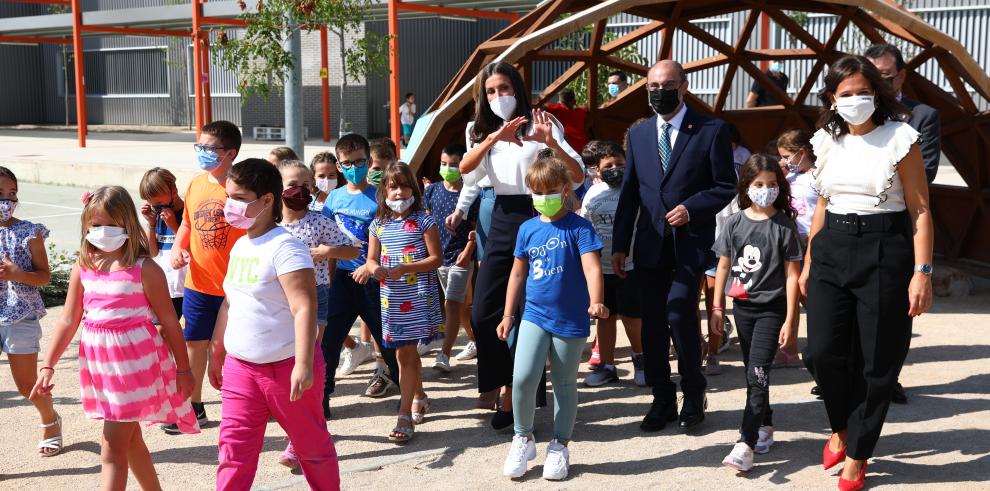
[542, 128]
[507, 133]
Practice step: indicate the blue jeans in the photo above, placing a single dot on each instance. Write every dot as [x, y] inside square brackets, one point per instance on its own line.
[484, 220]
[533, 345]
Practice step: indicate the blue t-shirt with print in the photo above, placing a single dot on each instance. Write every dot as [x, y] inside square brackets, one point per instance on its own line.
[353, 214]
[164, 236]
[441, 202]
[556, 289]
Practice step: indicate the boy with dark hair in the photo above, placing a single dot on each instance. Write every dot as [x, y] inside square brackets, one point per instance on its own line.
[383, 154]
[203, 242]
[440, 200]
[353, 207]
[621, 297]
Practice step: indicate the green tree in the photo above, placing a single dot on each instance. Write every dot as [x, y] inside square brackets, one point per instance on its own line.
[578, 40]
[259, 58]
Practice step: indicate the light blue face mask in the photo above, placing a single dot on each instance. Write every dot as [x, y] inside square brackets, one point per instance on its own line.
[207, 160]
[613, 89]
[776, 66]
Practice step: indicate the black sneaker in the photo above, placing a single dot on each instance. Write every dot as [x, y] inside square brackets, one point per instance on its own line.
[379, 384]
[172, 429]
[200, 409]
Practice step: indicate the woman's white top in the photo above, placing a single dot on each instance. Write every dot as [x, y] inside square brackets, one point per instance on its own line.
[506, 163]
[858, 174]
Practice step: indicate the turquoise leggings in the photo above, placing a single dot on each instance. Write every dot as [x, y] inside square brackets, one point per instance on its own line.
[533, 344]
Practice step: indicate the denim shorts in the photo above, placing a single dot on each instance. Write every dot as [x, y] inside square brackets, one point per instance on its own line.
[22, 337]
[454, 281]
[322, 304]
[200, 311]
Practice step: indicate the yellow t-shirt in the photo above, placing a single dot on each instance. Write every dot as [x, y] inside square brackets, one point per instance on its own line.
[210, 238]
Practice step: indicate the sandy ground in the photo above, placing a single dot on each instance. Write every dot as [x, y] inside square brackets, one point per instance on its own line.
[940, 440]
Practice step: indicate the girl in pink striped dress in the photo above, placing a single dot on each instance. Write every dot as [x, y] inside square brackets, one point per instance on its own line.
[126, 373]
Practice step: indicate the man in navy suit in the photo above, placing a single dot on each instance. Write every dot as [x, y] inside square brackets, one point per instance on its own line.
[679, 174]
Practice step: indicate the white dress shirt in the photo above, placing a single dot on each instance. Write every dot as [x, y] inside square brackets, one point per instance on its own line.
[675, 126]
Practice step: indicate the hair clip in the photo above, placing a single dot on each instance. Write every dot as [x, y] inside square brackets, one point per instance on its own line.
[86, 197]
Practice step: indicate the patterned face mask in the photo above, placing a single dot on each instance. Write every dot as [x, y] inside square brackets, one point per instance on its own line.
[7, 209]
[763, 197]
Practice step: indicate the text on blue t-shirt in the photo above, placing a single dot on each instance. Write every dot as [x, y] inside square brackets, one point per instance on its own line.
[556, 289]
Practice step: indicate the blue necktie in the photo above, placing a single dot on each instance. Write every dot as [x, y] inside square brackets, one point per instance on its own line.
[664, 144]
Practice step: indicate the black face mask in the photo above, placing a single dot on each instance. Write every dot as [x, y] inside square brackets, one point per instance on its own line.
[664, 101]
[612, 176]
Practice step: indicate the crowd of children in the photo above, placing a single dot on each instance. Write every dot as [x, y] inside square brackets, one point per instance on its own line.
[255, 247]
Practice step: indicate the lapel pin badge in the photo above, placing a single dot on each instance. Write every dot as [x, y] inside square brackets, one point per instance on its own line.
[690, 126]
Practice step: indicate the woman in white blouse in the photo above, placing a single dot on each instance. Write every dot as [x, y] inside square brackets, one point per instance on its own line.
[867, 272]
[504, 141]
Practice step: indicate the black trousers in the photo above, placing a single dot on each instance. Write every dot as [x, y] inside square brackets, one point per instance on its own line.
[669, 296]
[348, 300]
[494, 355]
[758, 327]
[858, 325]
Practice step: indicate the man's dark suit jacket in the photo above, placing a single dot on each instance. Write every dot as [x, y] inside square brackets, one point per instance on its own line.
[700, 176]
[924, 118]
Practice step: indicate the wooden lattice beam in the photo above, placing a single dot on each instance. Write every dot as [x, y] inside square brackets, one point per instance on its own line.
[667, 45]
[632, 37]
[827, 56]
[730, 73]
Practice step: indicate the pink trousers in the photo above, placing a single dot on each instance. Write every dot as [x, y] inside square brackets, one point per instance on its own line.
[251, 393]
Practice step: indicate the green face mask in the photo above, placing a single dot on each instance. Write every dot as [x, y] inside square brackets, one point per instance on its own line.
[450, 174]
[548, 204]
[375, 177]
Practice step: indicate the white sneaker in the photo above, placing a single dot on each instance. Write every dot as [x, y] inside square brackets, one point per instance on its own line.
[423, 348]
[442, 362]
[469, 352]
[557, 463]
[354, 357]
[766, 440]
[520, 453]
[740, 458]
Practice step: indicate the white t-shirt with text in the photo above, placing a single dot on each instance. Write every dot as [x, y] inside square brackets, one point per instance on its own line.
[598, 208]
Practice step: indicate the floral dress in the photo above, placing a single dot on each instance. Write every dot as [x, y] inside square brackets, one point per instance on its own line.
[410, 305]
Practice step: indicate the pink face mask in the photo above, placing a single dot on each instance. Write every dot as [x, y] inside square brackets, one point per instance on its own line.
[235, 212]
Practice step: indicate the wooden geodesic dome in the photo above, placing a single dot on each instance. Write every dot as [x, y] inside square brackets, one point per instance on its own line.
[962, 215]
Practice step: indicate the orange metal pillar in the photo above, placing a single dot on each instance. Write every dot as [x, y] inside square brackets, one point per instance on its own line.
[764, 38]
[197, 14]
[325, 82]
[393, 65]
[80, 69]
[207, 90]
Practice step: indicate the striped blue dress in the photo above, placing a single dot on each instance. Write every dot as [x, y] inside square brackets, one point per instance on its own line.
[411, 310]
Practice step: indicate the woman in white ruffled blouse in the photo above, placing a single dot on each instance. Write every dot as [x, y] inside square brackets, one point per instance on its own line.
[867, 272]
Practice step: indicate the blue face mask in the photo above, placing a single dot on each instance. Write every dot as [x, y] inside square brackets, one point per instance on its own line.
[613, 89]
[207, 160]
[356, 174]
[776, 66]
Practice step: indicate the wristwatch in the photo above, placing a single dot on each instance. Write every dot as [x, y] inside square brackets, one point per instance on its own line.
[925, 269]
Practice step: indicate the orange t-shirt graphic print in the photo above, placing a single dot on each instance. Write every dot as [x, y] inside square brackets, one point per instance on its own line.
[211, 238]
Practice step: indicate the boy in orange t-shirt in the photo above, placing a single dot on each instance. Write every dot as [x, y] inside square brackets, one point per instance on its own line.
[203, 241]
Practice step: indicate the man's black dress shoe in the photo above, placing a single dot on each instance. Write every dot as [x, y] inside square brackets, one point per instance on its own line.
[899, 396]
[693, 411]
[659, 415]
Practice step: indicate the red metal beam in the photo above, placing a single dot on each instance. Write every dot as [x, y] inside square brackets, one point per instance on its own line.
[325, 83]
[80, 71]
[478, 14]
[764, 39]
[393, 65]
[33, 40]
[135, 31]
[222, 22]
[197, 14]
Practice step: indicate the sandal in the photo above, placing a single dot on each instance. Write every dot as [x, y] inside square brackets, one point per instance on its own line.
[424, 407]
[487, 400]
[51, 447]
[402, 434]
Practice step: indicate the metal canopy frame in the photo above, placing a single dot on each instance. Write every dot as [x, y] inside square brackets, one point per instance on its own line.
[961, 214]
[175, 21]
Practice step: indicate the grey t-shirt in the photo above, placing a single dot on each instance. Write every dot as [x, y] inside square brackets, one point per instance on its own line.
[757, 250]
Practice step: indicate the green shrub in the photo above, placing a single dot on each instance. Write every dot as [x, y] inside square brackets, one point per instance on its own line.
[61, 263]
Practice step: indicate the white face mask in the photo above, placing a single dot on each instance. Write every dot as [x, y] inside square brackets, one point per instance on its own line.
[326, 185]
[504, 106]
[107, 238]
[400, 205]
[856, 109]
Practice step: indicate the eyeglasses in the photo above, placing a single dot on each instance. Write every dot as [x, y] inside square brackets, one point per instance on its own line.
[347, 164]
[199, 147]
[673, 84]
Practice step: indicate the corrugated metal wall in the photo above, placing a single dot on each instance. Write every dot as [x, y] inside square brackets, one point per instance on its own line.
[431, 51]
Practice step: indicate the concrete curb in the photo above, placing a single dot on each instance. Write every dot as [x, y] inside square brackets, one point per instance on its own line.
[88, 175]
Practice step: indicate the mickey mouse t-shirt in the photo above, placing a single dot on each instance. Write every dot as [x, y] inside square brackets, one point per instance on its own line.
[757, 250]
[556, 290]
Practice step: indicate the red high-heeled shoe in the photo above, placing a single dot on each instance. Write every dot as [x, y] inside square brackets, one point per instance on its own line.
[830, 457]
[856, 485]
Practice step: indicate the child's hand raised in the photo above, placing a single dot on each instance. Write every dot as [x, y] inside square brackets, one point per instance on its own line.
[598, 310]
[148, 212]
[504, 327]
[170, 219]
